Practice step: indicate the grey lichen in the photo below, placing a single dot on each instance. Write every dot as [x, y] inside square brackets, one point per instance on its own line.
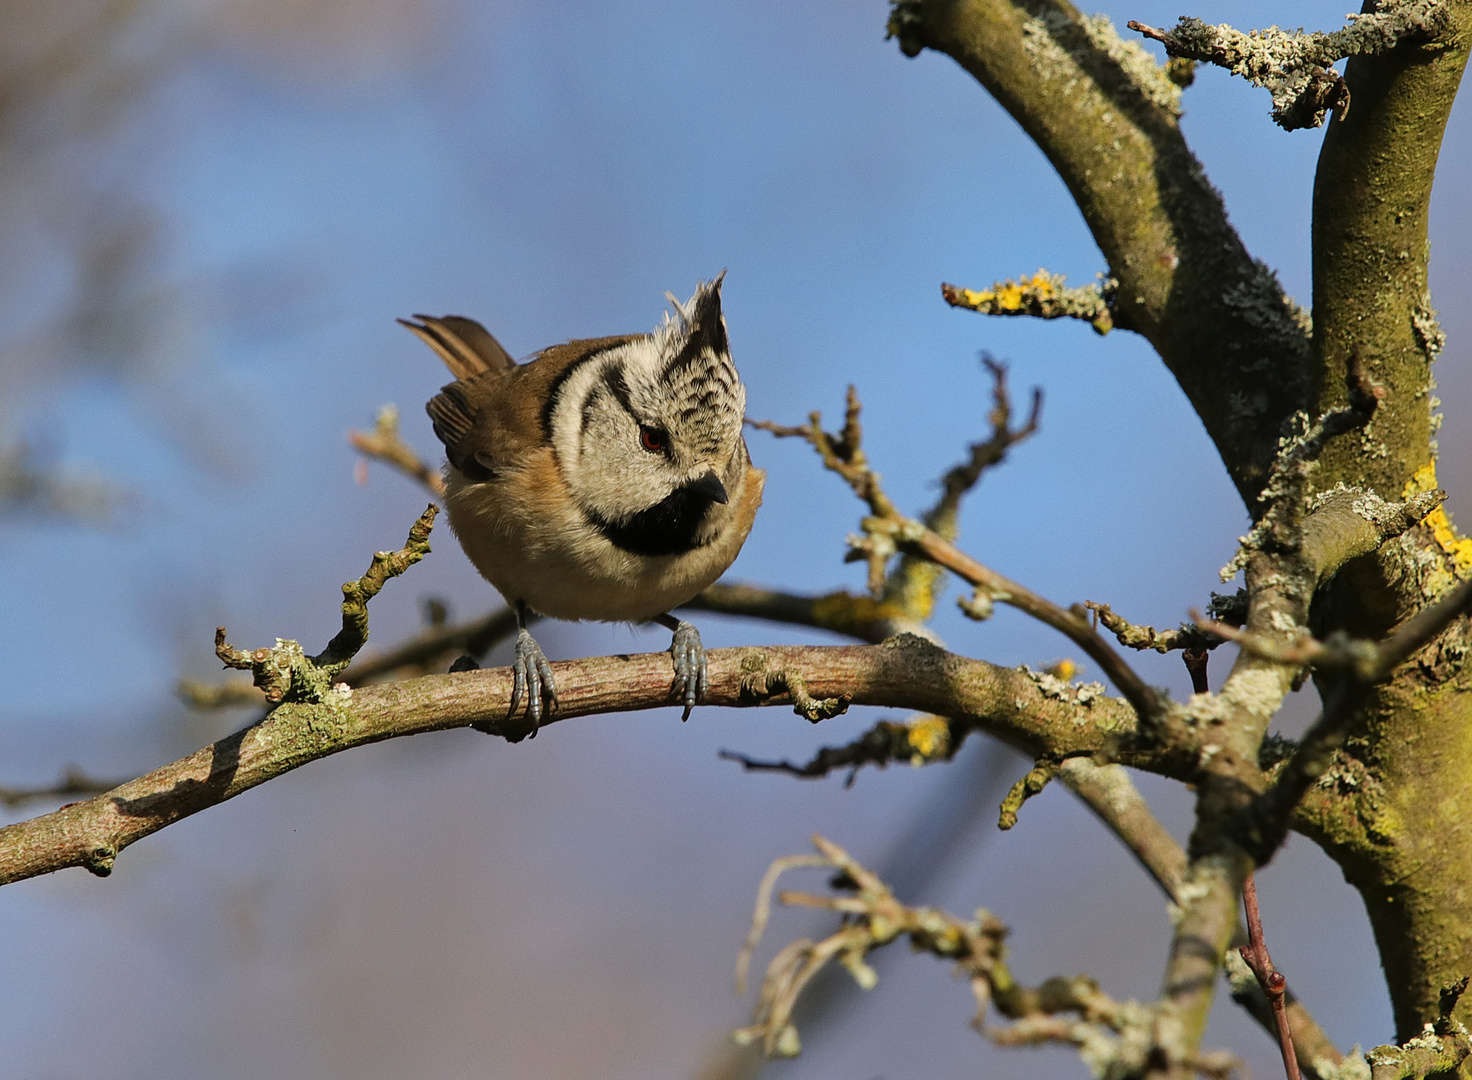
[1135, 61]
[1046, 38]
[1297, 67]
[1260, 302]
[1353, 1067]
[1428, 332]
[1061, 690]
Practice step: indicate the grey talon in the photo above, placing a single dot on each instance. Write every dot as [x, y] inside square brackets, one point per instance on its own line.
[691, 668]
[533, 676]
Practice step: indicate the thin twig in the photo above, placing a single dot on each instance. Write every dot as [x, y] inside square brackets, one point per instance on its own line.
[1255, 952]
[888, 532]
[73, 782]
[385, 444]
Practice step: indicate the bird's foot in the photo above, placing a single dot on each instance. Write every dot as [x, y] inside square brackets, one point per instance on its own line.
[691, 670]
[533, 679]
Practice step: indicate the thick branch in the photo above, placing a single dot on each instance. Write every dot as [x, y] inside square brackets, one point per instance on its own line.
[1106, 116]
[908, 672]
[1372, 194]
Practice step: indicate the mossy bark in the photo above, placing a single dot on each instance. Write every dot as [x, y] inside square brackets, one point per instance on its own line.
[1396, 814]
[1372, 196]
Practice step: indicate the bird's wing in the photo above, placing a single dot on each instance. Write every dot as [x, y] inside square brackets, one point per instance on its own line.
[499, 416]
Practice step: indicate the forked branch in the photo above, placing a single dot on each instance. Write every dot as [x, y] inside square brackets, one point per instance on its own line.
[1116, 1038]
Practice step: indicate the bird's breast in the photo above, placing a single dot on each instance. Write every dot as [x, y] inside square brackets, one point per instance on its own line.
[529, 538]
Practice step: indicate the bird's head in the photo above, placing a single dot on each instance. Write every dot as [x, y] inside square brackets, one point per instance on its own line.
[648, 431]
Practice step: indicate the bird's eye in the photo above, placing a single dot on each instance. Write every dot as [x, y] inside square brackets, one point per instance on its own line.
[652, 439]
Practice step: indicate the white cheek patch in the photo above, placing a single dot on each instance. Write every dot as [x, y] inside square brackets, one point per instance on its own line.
[567, 414]
[596, 439]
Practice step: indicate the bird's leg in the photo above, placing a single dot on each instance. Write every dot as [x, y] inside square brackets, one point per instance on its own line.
[691, 671]
[533, 675]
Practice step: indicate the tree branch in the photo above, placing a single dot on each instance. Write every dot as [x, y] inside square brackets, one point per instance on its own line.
[908, 672]
[1043, 296]
[1116, 1038]
[385, 444]
[1372, 193]
[888, 532]
[1218, 318]
[1297, 67]
[73, 782]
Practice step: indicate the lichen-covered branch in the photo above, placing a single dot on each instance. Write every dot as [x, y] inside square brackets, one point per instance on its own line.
[1297, 68]
[1132, 636]
[1285, 496]
[1108, 791]
[908, 673]
[1372, 194]
[1106, 115]
[1042, 296]
[1441, 1048]
[1361, 665]
[1116, 1039]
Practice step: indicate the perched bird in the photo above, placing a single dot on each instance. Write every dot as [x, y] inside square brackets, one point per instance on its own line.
[602, 479]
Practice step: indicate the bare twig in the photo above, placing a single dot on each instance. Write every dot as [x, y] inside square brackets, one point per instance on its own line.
[1196, 660]
[230, 694]
[1255, 952]
[855, 616]
[887, 532]
[73, 782]
[921, 741]
[385, 444]
[1119, 1037]
[915, 581]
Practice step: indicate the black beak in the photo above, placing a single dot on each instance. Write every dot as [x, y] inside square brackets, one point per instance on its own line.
[710, 486]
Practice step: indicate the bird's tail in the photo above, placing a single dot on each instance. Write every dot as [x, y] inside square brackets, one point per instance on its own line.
[466, 347]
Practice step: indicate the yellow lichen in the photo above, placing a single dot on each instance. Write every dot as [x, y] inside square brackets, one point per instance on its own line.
[1011, 295]
[929, 738]
[1445, 533]
[1064, 669]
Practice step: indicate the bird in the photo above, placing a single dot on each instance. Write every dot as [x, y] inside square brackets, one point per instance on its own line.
[601, 479]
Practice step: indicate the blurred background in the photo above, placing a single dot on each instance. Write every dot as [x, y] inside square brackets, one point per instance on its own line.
[210, 214]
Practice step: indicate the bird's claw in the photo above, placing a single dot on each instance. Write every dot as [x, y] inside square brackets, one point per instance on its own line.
[533, 679]
[691, 669]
